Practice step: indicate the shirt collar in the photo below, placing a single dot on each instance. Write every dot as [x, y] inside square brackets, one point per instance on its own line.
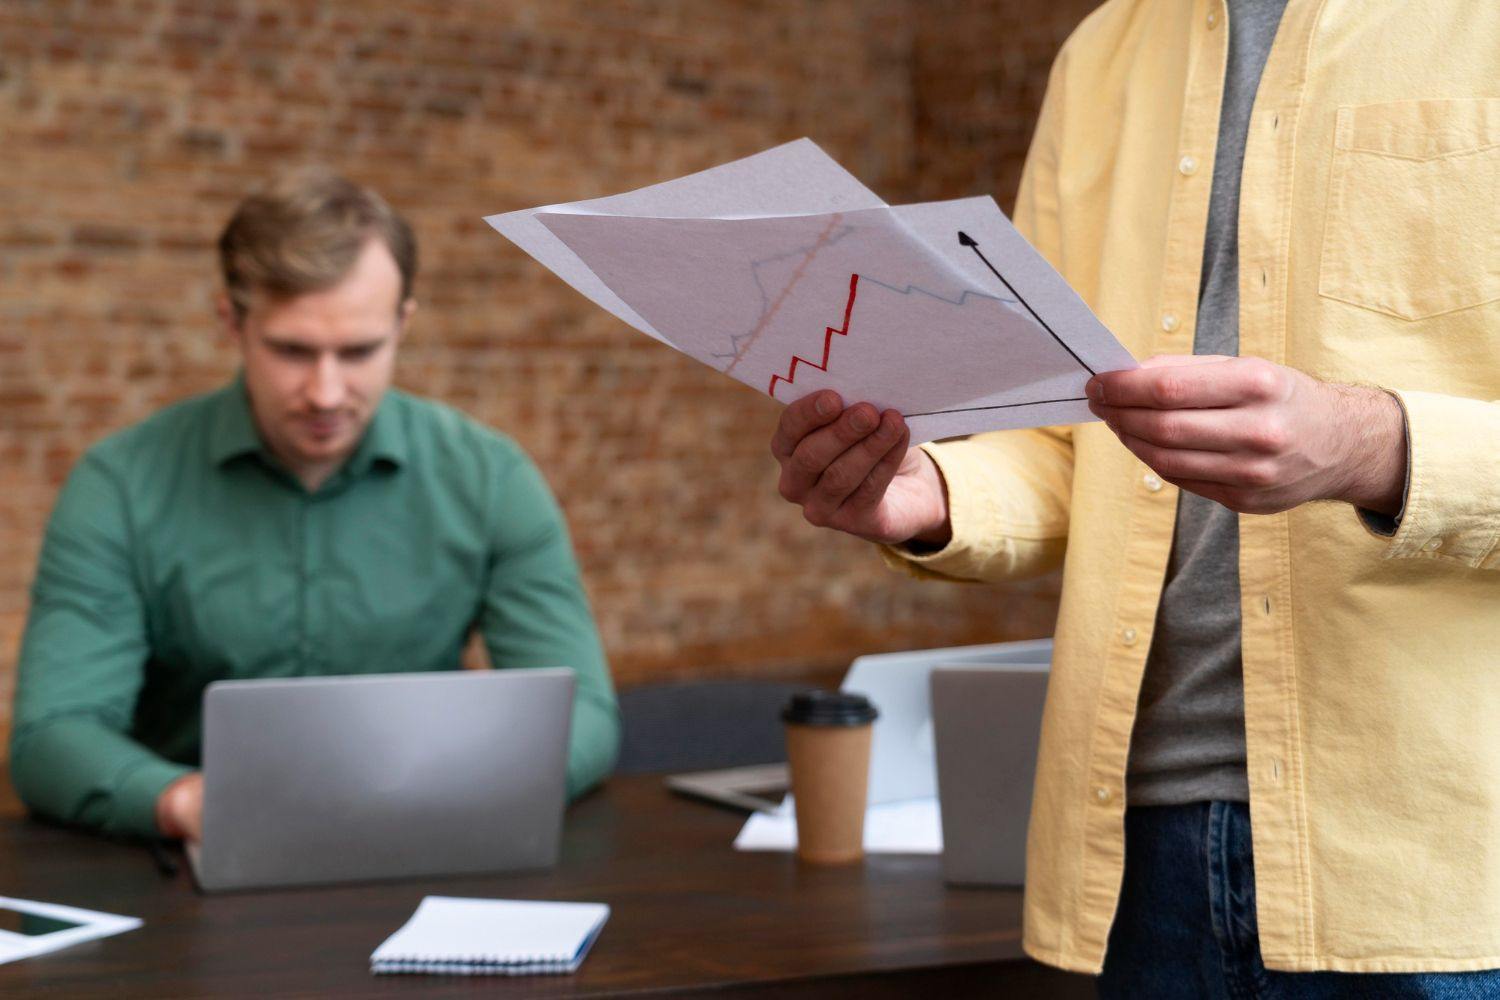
[384, 441]
[234, 435]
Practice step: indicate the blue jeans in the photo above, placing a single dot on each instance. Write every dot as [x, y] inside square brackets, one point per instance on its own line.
[1185, 927]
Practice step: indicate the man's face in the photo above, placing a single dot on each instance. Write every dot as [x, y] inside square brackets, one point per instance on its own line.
[317, 365]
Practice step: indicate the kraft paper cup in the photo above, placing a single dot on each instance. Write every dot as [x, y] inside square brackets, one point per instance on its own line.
[828, 748]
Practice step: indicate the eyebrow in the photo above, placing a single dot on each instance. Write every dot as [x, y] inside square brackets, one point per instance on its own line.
[293, 343]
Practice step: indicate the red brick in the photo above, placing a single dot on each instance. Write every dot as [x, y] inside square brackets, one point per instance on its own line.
[131, 131]
[101, 238]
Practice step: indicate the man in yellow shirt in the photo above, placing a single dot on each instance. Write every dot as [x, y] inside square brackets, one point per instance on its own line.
[1289, 208]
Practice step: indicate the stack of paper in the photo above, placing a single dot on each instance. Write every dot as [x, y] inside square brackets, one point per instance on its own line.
[913, 826]
[786, 273]
[491, 936]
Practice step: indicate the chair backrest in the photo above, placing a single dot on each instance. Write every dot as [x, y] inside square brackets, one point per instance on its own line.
[701, 725]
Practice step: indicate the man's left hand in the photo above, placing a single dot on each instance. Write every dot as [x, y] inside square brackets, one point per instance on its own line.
[1257, 437]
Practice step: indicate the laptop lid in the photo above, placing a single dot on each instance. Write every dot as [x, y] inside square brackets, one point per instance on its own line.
[331, 779]
[902, 763]
[988, 721]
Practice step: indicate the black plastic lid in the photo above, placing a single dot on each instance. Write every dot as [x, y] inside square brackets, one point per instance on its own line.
[828, 708]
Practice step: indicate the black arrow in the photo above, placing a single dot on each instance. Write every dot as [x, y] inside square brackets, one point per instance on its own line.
[964, 239]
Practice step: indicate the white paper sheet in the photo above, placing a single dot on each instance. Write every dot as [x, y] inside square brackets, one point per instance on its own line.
[910, 827]
[90, 925]
[783, 272]
[791, 179]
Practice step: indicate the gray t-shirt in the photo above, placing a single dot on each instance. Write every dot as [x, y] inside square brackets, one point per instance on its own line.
[1189, 740]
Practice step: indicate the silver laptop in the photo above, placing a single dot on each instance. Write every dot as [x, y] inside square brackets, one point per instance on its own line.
[902, 764]
[333, 779]
[988, 720]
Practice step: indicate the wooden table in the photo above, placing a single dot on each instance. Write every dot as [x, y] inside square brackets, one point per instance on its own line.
[691, 917]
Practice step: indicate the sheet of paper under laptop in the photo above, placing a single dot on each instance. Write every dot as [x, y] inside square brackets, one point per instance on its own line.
[784, 272]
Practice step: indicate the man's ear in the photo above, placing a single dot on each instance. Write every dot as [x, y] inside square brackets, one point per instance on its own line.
[404, 314]
[229, 322]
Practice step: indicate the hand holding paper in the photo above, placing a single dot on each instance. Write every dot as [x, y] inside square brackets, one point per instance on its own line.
[851, 470]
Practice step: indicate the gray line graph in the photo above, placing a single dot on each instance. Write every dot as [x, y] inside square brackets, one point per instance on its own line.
[736, 345]
[968, 293]
[735, 349]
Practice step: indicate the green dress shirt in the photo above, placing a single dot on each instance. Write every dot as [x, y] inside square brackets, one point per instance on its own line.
[180, 552]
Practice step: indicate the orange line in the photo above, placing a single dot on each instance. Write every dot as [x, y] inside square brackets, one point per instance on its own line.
[843, 331]
[820, 243]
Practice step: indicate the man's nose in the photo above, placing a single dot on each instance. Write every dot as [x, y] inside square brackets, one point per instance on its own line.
[326, 389]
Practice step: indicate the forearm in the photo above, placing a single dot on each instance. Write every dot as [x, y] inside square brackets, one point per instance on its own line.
[536, 614]
[1375, 468]
[76, 770]
[594, 741]
[544, 621]
[594, 735]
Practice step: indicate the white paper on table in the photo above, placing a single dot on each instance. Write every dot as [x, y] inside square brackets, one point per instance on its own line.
[910, 827]
[90, 925]
[784, 272]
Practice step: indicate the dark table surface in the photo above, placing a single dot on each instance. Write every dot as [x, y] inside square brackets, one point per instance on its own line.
[691, 916]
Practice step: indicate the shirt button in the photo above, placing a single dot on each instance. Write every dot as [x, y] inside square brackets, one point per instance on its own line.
[1433, 544]
[1127, 636]
[1169, 322]
[1187, 166]
[1102, 794]
[1152, 483]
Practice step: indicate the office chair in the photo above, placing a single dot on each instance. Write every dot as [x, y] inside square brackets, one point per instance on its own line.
[700, 725]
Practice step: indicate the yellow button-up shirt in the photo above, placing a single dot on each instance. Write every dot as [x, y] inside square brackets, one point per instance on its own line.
[1369, 252]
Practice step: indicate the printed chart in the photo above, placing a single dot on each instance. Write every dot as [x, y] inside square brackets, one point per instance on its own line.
[941, 310]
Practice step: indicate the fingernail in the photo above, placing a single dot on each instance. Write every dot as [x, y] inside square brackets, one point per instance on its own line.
[1095, 390]
[824, 405]
[860, 421]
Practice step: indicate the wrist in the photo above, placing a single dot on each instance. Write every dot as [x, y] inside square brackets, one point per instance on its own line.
[1375, 466]
[938, 531]
[171, 809]
[932, 539]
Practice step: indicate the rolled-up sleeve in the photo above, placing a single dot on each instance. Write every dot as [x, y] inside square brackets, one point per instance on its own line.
[1008, 502]
[1452, 510]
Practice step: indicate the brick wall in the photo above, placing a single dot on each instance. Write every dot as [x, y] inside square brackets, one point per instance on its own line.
[129, 129]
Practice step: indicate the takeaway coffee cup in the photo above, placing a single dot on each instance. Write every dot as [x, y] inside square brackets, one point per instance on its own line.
[828, 747]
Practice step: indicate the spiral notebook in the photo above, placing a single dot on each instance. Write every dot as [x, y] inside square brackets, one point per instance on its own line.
[476, 937]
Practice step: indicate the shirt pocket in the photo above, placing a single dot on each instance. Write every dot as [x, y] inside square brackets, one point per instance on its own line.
[1412, 229]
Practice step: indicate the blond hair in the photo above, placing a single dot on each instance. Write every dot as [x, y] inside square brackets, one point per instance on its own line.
[302, 232]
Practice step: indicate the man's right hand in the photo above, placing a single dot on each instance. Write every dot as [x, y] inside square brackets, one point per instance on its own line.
[851, 470]
[179, 808]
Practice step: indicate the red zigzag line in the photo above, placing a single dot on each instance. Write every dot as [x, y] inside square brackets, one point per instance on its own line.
[843, 331]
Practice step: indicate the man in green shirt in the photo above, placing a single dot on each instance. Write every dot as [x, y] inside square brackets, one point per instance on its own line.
[306, 519]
